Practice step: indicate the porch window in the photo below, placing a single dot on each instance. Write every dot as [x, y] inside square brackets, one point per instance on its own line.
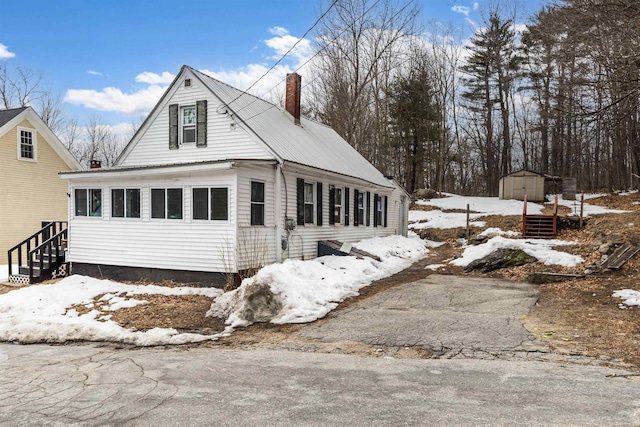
[257, 203]
[88, 202]
[309, 205]
[211, 203]
[125, 203]
[166, 203]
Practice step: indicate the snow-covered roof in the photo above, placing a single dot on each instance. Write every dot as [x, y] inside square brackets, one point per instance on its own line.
[310, 143]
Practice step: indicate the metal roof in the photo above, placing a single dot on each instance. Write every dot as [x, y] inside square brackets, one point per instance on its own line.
[310, 143]
[7, 115]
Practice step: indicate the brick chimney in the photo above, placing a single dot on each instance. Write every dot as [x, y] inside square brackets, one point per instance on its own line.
[292, 101]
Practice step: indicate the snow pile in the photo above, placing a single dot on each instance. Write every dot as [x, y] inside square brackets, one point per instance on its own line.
[303, 291]
[43, 313]
[538, 248]
[629, 297]
[4, 272]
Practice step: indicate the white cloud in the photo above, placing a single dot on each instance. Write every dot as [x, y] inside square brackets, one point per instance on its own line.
[278, 31]
[476, 5]
[4, 52]
[281, 44]
[95, 73]
[155, 79]
[461, 9]
[113, 99]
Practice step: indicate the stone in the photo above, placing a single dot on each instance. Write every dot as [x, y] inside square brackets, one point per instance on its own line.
[502, 258]
[604, 249]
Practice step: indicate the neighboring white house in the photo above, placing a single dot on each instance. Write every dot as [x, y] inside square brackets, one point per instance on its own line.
[219, 181]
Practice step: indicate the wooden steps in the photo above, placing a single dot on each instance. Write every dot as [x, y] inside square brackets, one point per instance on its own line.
[539, 226]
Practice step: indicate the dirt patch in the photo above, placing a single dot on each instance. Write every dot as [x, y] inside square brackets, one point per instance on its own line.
[185, 313]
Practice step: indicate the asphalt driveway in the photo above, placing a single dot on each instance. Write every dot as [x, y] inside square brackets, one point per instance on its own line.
[453, 316]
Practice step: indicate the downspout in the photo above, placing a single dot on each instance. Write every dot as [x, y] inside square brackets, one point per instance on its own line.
[278, 211]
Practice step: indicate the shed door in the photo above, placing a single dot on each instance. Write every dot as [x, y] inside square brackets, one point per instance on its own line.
[525, 184]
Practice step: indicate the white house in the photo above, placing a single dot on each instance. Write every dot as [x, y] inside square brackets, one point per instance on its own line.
[217, 181]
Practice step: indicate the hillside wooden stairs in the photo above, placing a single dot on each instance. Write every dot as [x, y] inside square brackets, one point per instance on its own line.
[540, 226]
[40, 256]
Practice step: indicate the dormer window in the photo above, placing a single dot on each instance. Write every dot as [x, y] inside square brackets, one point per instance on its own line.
[188, 122]
[187, 82]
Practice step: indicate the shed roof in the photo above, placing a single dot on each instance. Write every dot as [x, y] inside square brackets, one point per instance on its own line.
[522, 170]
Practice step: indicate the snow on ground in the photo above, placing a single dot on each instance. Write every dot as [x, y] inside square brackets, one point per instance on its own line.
[483, 205]
[43, 313]
[538, 248]
[308, 290]
[588, 209]
[629, 297]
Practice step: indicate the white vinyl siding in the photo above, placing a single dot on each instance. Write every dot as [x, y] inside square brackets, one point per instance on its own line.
[303, 241]
[226, 138]
[178, 245]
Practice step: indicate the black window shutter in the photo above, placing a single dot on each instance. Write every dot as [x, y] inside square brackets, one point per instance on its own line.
[375, 210]
[368, 208]
[300, 201]
[319, 204]
[201, 123]
[173, 127]
[346, 206]
[332, 204]
[386, 199]
[356, 212]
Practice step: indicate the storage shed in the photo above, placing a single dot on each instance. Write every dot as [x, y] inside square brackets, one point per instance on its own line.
[516, 184]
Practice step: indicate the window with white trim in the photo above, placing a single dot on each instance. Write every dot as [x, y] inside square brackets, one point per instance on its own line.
[337, 204]
[257, 203]
[362, 220]
[380, 211]
[88, 202]
[309, 203]
[188, 124]
[26, 144]
[125, 203]
[210, 203]
[166, 203]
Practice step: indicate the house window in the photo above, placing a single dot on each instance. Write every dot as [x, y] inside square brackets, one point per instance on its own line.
[26, 144]
[309, 205]
[166, 203]
[380, 210]
[211, 203]
[257, 203]
[188, 123]
[361, 211]
[125, 203]
[337, 204]
[88, 202]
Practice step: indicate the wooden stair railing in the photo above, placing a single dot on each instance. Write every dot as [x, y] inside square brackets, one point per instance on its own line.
[540, 226]
[44, 260]
[19, 254]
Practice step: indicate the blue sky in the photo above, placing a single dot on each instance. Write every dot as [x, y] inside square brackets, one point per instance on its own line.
[115, 58]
